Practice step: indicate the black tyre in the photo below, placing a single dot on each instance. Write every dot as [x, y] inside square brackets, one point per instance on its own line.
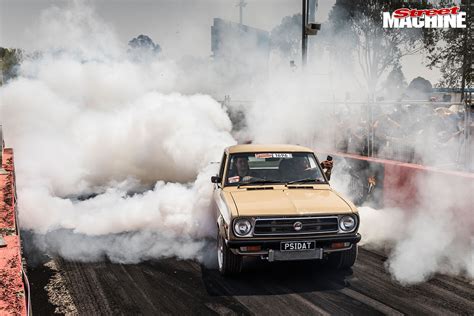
[342, 260]
[228, 262]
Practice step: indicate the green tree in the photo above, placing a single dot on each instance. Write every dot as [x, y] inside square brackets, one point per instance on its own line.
[143, 48]
[452, 50]
[9, 61]
[395, 84]
[286, 37]
[356, 32]
[419, 88]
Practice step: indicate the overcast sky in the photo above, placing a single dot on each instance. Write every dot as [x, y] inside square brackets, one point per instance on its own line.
[179, 26]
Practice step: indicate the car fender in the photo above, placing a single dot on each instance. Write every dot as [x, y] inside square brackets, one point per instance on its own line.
[223, 213]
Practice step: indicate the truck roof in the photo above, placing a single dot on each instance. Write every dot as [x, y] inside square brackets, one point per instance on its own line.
[266, 148]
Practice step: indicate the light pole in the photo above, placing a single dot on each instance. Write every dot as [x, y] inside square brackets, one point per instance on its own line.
[304, 38]
[306, 29]
[241, 6]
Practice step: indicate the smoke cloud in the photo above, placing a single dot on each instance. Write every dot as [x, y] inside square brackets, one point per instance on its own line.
[113, 155]
[434, 235]
[172, 220]
[112, 160]
[420, 242]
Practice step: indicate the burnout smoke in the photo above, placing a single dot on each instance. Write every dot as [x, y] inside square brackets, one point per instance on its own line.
[434, 235]
[88, 123]
[136, 139]
[420, 244]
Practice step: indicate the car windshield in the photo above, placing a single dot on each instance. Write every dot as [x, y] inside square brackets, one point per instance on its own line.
[276, 167]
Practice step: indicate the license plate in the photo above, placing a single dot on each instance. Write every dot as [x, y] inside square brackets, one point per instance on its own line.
[297, 245]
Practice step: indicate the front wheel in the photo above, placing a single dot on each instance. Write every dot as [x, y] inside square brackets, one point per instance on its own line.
[228, 262]
[342, 260]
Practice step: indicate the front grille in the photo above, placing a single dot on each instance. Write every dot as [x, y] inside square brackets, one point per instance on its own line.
[286, 225]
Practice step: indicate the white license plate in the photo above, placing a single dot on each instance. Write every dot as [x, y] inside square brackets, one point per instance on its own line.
[297, 245]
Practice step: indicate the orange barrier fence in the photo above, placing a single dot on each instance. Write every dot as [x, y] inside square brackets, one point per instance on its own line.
[13, 298]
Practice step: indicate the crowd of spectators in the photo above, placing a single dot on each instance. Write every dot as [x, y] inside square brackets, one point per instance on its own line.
[415, 133]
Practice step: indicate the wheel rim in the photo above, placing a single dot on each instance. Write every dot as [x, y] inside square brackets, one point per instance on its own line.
[220, 252]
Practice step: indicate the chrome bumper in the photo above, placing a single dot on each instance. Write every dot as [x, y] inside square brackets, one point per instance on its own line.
[277, 255]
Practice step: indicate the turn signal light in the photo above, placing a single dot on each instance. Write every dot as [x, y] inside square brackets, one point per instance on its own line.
[251, 248]
[338, 245]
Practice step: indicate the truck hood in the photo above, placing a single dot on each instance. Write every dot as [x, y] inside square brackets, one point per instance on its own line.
[289, 202]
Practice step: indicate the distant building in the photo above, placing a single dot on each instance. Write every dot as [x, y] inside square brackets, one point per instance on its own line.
[240, 49]
[227, 35]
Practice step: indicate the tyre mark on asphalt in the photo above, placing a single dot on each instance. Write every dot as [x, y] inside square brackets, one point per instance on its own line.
[172, 289]
[315, 309]
[267, 300]
[171, 286]
[83, 286]
[139, 289]
[387, 310]
[377, 288]
[258, 304]
[424, 297]
[433, 295]
[330, 298]
[460, 288]
[301, 292]
[321, 288]
[324, 300]
[120, 302]
[185, 280]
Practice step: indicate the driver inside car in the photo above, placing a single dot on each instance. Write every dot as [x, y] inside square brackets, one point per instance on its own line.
[241, 169]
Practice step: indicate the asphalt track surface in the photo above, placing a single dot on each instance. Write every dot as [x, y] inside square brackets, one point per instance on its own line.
[171, 286]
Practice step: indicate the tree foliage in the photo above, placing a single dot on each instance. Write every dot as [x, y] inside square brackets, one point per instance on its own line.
[419, 88]
[357, 32]
[286, 37]
[142, 47]
[10, 58]
[452, 50]
[395, 84]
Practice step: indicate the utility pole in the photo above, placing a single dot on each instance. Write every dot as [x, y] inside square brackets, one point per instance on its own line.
[241, 6]
[304, 38]
[306, 29]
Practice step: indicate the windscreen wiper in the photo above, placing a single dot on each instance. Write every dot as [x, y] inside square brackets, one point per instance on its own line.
[305, 180]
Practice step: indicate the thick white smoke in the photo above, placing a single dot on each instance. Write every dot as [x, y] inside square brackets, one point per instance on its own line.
[434, 235]
[172, 220]
[85, 121]
[420, 242]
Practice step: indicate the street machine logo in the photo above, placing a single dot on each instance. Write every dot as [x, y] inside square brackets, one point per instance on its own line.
[428, 18]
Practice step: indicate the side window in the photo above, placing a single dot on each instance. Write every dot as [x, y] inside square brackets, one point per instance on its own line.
[221, 170]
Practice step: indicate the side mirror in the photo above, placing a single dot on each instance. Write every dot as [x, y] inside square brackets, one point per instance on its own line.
[216, 179]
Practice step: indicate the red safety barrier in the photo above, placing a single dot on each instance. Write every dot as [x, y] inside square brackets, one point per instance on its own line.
[404, 184]
[12, 290]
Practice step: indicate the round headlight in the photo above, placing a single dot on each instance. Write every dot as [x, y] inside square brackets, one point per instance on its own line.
[242, 227]
[347, 223]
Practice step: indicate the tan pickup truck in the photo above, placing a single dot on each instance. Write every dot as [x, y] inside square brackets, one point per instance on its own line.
[275, 202]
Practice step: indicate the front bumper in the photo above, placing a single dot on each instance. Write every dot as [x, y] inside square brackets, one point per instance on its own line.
[275, 243]
[270, 249]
